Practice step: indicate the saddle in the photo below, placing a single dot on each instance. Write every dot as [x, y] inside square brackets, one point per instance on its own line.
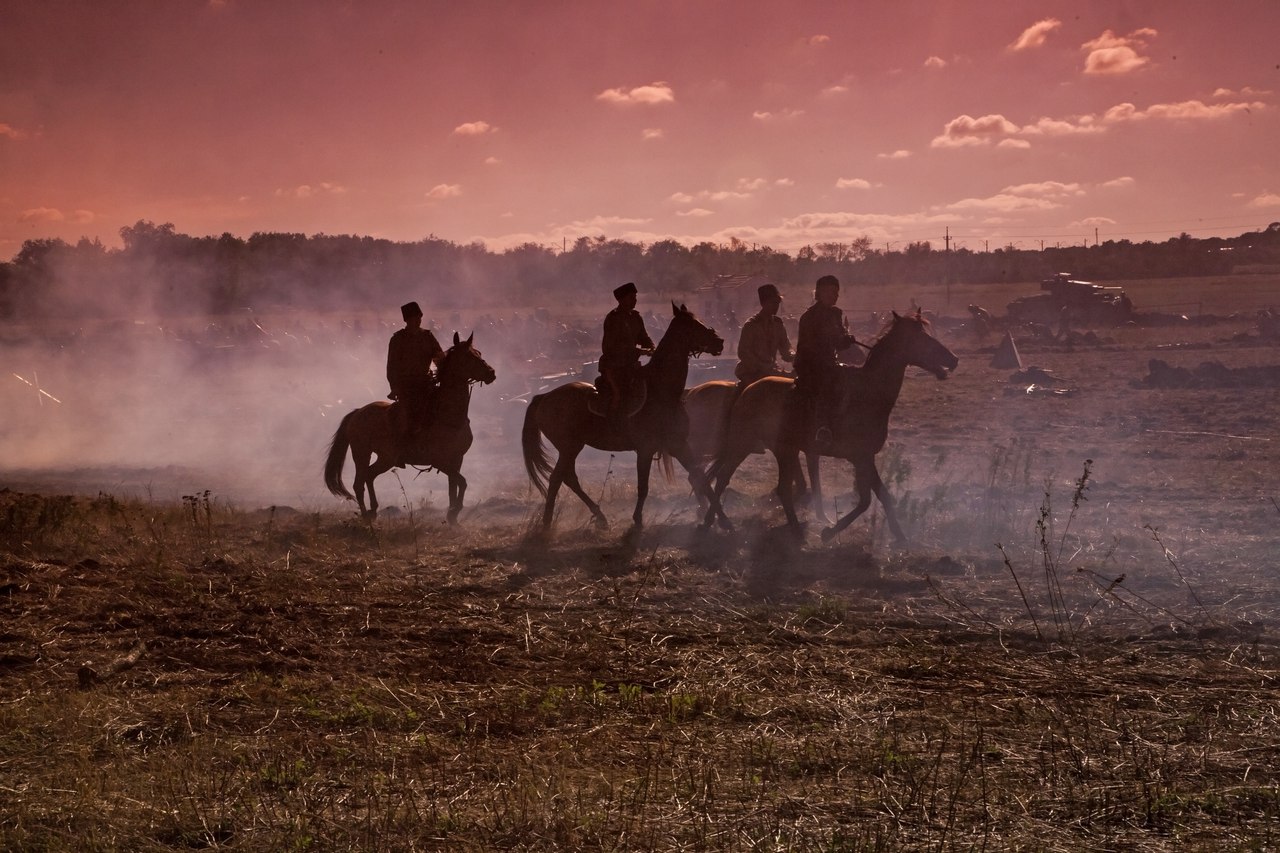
[632, 402]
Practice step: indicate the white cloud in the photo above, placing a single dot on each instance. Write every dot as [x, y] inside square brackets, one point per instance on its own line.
[966, 130]
[900, 154]
[10, 131]
[680, 198]
[1265, 200]
[935, 62]
[1181, 110]
[1112, 54]
[751, 184]
[654, 93]
[474, 128]
[1246, 92]
[443, 191]
[1045, 126]
[819, 39]
[1003, 203]
[324, 188]
[785, 115]
[1013, 143]
[652, 133]
[837, 89]
[1118, 183]
[697, 212]
[1035, 35]
[491, 161]
[1045, 188]
[1092, 222]
[41, 214]
[852, 184]
[784, 182]
[724, 195]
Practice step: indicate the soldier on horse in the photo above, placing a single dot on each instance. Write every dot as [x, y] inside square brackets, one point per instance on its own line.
[410, 355]
[625, 340]
[763, 340]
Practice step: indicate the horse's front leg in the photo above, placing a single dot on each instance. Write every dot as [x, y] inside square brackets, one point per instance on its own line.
[644, 466]
[788, 468]
[862, 481]
[700, 481]
[886, 501]
[814, 460]
[457, 489]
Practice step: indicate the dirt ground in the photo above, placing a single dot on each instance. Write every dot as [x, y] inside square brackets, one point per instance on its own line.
[1077, 650]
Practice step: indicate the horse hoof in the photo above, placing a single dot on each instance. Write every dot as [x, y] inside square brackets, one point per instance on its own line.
[600, 522]
[726, 525]
[829, 533]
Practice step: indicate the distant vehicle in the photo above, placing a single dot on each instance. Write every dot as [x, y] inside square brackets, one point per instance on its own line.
[1077, 301]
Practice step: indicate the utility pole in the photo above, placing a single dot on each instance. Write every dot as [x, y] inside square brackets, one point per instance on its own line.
[947, 240]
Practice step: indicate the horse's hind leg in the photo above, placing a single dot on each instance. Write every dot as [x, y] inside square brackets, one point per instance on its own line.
[457, 489]
[564, 472]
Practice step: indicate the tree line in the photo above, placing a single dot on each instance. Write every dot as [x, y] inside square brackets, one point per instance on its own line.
[159, 270]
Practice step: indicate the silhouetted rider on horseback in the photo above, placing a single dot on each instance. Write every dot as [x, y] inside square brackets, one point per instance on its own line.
[410, 354]
[763, 340]
[821, 336]
[625, 340]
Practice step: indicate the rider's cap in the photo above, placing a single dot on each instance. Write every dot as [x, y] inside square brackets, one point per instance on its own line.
[624, 290]
[410, 309]
[768, 291]
[828, 281]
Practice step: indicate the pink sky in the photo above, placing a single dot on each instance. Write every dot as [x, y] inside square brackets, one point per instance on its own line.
[773, 122]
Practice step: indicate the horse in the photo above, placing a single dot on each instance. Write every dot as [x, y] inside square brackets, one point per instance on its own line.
[768, 411]
[564, 416]
[445, 439]
[709, 406]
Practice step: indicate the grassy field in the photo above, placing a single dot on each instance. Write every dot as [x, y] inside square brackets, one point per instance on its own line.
[1077, 651]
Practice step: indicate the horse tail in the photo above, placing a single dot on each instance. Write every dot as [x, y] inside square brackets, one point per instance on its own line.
[336, 458]
[536, 461]
[665, 466]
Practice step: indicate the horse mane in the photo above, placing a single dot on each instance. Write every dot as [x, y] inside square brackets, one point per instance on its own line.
[889, 324]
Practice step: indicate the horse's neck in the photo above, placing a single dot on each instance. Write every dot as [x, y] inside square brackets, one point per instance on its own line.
[882, 376]
[453, 399]
[668, 371]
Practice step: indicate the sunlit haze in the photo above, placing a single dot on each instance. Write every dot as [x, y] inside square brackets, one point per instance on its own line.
[776, 123]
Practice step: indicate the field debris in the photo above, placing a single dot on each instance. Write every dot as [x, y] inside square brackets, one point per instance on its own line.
[1209, 374]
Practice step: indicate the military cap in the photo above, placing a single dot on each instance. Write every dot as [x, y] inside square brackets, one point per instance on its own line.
[768, 291]
[410, 309]
[624, 290]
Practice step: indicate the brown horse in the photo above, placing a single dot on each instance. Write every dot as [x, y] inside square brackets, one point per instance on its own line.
[441, 445]
[709, 406]
[564, 416]
[768, 411]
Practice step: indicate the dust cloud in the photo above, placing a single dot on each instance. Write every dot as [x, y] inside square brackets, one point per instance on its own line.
[245, 405]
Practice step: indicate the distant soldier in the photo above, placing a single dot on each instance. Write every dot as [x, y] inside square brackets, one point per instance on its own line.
[410, 355]
[625, 340]
[821, 336]
[763, 340]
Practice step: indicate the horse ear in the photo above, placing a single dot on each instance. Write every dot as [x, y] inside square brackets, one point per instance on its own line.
[682, 308]
[455, 339]
[895, 315]
[470, 337]
[675, 309]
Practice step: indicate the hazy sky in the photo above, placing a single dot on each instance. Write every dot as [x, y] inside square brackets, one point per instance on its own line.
[775, 122]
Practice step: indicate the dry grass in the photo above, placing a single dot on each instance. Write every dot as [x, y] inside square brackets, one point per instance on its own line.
[198, 677]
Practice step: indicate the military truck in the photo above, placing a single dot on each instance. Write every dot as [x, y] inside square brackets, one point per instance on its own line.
[1065, 298]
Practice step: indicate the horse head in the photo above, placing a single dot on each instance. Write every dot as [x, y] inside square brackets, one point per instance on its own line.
[911, 339]
[463, 362]
[691, 335]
